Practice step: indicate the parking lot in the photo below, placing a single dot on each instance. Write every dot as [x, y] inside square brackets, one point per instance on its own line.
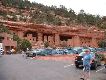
[16, 67]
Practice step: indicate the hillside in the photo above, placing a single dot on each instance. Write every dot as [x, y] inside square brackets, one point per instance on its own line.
[25, 11]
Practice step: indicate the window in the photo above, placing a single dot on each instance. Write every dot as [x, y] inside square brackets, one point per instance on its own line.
[7, 38]
[14, 33]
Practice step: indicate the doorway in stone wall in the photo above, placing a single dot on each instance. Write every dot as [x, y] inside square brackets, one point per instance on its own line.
[64, 40]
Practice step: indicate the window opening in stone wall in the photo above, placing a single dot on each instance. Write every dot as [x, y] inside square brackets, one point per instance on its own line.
[65, 38]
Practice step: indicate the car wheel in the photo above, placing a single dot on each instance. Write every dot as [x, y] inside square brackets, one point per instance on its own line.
[105, 65]
[94, 66]
[77, 66]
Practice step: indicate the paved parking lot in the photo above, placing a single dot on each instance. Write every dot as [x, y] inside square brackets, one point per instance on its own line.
[70, 57]
[16, 67]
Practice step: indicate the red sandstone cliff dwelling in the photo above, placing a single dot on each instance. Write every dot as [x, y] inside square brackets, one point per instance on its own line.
[55, 35]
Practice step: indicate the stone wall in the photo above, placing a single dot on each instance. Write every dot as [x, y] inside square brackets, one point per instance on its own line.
[80, 36]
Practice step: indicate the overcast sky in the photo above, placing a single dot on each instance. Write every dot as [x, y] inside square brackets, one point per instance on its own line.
[96, 7]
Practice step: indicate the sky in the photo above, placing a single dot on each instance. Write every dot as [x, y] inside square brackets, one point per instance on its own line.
[95, 7]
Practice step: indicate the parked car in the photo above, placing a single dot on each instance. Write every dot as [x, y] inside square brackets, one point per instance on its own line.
[71, 51]
[38, 52]
[8, 52]
[1, 49]
[60, 51]
[78, 49]
[45, 52]
[95, 63]
[33, 52]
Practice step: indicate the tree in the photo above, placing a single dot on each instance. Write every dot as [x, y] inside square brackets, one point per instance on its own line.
[3, 29]
[102, 44]
[82, 12]
[81, 19]
[25, 44]
[46, 44]
[90, 19]
[98, 21]
[21, 5]
[64, 44]
[72, 15]
[103, 25]
[57, 21]
[16, 38]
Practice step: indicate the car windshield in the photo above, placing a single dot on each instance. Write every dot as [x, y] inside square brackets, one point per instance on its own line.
[92, 54]
[82, 53]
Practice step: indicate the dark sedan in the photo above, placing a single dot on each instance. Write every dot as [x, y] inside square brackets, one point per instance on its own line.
[96, 61]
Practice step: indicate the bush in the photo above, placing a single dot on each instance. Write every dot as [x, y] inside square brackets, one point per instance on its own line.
[101, 56]
[46, 44]
[25, 44]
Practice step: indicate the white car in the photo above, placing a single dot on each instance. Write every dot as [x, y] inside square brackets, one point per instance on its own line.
[1, 51]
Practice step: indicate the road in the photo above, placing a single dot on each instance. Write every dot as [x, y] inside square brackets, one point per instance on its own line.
[15, 67]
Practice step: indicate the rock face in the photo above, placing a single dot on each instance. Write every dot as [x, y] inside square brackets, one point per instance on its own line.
[60, 36]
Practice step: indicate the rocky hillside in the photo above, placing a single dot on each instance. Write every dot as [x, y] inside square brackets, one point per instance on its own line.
[25, 11]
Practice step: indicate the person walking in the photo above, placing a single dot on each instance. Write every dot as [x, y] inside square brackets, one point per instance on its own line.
[87, 60]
